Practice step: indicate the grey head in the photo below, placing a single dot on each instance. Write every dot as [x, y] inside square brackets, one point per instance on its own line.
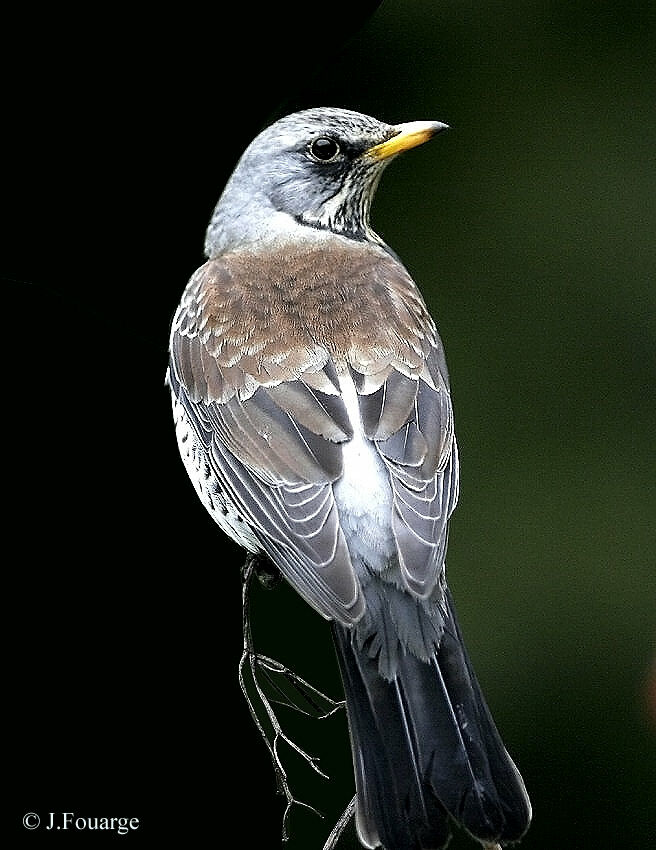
[313, 170]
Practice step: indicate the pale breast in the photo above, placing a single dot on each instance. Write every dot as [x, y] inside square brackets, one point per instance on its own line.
[209, 488]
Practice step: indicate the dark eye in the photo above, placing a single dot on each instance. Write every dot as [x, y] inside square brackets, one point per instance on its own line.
[324, 149]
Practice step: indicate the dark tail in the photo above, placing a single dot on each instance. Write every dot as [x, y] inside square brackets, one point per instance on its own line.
[426, 750]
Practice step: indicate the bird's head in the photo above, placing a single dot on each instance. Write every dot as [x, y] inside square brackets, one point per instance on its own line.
[315, 169]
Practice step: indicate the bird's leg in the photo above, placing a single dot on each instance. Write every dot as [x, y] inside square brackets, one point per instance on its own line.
[316, 704]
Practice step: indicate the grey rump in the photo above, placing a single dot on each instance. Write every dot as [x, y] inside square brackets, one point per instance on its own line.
[313, 414]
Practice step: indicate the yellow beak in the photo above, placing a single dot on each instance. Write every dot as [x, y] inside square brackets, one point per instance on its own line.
[406, 136]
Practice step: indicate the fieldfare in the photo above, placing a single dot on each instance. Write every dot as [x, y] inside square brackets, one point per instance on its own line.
[313, 415]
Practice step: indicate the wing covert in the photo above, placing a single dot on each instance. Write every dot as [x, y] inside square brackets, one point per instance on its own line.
[421, 456]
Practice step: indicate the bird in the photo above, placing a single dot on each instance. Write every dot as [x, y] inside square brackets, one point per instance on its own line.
[313, 414]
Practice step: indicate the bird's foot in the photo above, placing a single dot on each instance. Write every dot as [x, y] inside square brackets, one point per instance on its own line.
[263, 569]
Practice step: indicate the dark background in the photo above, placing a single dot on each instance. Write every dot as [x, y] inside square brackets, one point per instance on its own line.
[530, 229]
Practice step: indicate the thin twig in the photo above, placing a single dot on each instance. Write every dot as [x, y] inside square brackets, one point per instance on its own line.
[340, 826]
[262, 664]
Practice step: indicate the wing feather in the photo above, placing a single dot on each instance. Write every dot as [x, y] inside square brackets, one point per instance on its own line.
[422, 459]
[277, 476]
[260, 388]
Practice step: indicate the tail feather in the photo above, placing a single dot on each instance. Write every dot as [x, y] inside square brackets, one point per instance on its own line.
[426, 750]
[391, 801]
[497, 799]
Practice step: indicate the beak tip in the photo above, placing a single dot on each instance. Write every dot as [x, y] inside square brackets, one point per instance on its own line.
[406, 136]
